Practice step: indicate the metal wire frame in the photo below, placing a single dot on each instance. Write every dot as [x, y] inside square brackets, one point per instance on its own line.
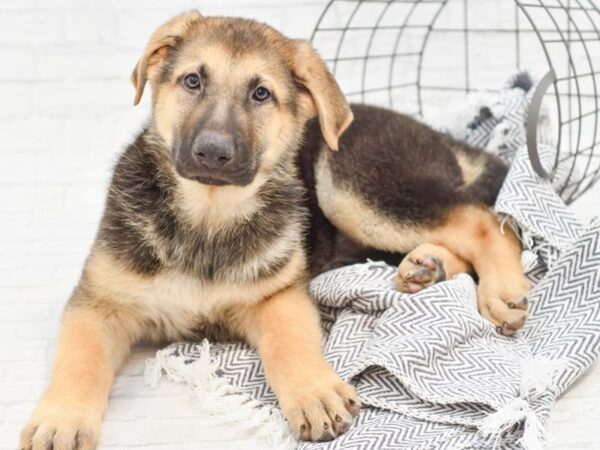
[583, 160]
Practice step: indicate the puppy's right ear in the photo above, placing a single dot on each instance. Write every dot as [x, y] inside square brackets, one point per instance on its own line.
[166, 37]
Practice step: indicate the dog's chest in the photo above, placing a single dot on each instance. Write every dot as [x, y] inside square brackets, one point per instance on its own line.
[176, 302]
[183, 297]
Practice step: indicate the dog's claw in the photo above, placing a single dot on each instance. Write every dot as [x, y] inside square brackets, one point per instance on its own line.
[327, 436]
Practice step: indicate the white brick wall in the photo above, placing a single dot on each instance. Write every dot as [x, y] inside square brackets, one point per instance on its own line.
[65, 113]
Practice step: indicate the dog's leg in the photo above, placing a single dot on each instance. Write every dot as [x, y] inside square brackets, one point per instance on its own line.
[426, 265]
[70, 412]
[470, 232]
[473, 233]
[286, 331]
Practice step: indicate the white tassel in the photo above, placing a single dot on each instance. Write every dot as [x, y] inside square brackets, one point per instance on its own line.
[153, 372]
[529, 260]
[505, 219]
[244, 415]
[537, 377]
[498, 423]
[530, 255]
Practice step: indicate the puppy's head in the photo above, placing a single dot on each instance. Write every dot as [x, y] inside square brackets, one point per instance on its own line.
[230, 96]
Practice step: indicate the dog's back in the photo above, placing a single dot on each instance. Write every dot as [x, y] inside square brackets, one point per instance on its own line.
[398, 166]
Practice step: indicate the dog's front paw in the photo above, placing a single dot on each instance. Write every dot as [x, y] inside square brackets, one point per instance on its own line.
[320, 408]
[504, 303]
[61, 426]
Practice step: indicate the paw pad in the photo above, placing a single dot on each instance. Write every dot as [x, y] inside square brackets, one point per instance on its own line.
[418, 273]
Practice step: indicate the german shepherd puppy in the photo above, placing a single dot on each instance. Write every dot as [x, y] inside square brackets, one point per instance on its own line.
[231, 198]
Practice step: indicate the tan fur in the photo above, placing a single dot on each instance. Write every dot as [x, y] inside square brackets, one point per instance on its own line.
[354, 217]
[471, 167]
[166, 112]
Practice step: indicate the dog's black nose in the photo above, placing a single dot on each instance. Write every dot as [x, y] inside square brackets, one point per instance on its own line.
[214, 152]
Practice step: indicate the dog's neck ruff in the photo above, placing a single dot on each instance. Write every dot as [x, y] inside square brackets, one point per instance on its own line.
[149, 222]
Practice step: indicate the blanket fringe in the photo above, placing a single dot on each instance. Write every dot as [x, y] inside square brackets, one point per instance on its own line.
[531, 249]
[245, 415]
[537, 377]
[516, 411]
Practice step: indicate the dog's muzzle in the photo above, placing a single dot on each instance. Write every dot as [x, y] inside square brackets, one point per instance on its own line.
[215, 158]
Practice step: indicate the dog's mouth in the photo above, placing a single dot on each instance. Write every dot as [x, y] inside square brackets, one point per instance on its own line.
[238, 178]
[211, 181]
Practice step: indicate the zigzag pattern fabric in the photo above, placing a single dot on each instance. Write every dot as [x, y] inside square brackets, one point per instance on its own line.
[431, 372]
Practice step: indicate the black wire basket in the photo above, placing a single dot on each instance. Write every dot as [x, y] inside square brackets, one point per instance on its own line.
[414, 55]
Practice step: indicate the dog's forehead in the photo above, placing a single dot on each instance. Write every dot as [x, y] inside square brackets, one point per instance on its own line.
[236, 45]
[221, 59]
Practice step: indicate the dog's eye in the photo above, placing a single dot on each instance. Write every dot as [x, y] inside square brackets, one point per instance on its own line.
[261, 94]
[192, 81]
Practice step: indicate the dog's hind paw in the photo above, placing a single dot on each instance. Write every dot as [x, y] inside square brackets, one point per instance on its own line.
[416, 272]
[504, 303]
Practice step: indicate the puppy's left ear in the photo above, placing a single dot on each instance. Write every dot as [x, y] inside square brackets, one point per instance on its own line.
[166, 37]
[326, 97]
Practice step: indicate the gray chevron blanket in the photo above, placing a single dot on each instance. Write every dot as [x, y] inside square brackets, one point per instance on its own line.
[431, 372]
